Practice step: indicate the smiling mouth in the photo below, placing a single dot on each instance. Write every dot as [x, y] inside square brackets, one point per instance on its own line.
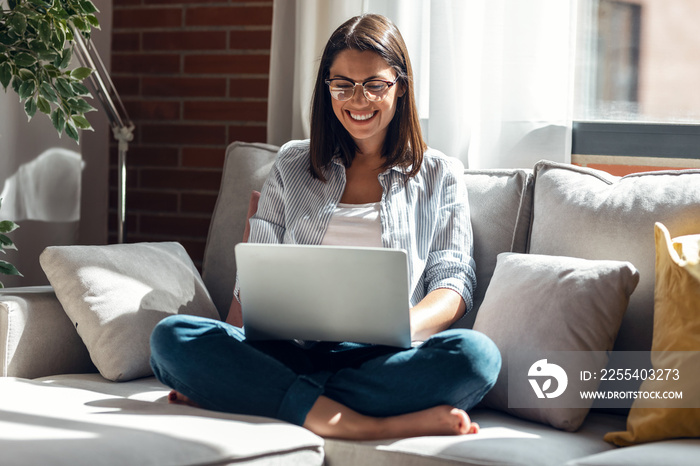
[361, 116]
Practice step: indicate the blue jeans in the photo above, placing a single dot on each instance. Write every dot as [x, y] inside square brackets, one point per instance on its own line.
[213, 364]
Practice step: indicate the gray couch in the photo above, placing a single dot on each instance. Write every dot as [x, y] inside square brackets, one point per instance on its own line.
[56, 409]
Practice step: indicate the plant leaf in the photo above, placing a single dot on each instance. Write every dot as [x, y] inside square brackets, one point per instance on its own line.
[65, 60]
[80, 105]
[43, 105]
[6, 243]
[39, 3]
[59, 120]
[80, 89]
[51, 69]
[26, 89]
[18, 23]
[25, 74]
[81, 73]
[48, 92]
[72, 131]
[5, 74]
[88, 7]
[58, 38]
[80, 24]
[8, 226]
[9, 269]
[25, 60]
[64, 88]
[94, 22]
[60, 13]
[30, 108]
[82, 122]
[49, 56]
[16, 82]
[38, 47]
[45, 31]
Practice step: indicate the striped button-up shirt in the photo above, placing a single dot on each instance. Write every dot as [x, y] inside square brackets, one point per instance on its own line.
[426, 215]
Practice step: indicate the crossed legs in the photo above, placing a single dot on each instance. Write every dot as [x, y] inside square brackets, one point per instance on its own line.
[329, 418]
[208, 364]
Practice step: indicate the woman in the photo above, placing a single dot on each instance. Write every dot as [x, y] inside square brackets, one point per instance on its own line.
[365, 178]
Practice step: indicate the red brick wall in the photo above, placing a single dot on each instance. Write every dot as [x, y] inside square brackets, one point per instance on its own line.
[194, 78]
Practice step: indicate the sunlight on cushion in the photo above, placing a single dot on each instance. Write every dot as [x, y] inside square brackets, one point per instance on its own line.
[25, 432]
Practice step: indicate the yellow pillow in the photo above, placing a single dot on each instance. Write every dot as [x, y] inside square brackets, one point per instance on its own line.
[677, 332]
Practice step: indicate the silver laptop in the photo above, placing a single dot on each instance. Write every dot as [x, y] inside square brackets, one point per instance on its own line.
[324, 293]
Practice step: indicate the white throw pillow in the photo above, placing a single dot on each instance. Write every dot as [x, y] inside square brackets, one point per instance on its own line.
[116, 294]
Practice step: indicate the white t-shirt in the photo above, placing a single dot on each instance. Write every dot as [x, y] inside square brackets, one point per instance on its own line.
[354, 225]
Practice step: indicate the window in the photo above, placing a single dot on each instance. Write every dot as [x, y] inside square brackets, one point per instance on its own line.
[637, 78]
[638, 61]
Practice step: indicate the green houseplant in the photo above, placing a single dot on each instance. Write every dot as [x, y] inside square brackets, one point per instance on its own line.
[36, 47]
[7, 226]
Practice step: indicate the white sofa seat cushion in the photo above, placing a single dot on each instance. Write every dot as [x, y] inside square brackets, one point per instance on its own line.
[676, 452]
[503, 440]
[86, 420]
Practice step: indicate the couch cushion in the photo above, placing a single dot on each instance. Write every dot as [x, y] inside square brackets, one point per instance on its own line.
[499, 204]
[36, 336]
[581, 212]
[503, 440]
[86, 420]
[538, 305]
[116, 294]
[676, 452]
[245, 170]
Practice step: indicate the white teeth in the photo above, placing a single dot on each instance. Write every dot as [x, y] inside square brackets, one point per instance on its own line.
[361, 117]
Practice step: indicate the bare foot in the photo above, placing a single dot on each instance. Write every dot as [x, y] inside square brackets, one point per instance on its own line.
[329, 418]
[178, 398]
[440, 420]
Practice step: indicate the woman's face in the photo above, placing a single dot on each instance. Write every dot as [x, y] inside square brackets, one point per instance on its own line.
[365, 120]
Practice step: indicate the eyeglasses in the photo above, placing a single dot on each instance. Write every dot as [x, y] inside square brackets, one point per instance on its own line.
[375, 90]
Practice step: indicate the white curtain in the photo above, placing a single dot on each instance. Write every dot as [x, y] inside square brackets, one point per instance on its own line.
[494, 78]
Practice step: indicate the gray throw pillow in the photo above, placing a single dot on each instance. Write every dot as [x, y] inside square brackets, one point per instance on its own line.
[116, 294]
[551, 303]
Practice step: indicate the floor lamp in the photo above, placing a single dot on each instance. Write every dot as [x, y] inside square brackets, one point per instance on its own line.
[122, 126]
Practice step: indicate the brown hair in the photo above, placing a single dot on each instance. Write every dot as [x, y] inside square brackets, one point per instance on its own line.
[404, 144]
